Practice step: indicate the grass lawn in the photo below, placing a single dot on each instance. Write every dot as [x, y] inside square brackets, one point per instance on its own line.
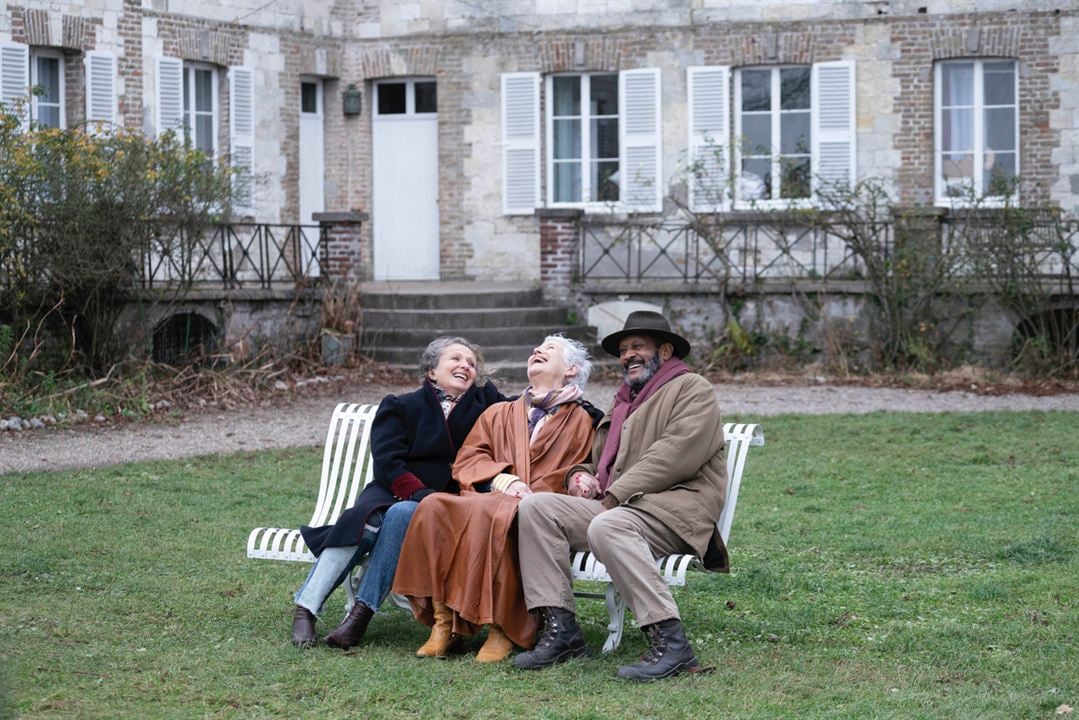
[885, 566]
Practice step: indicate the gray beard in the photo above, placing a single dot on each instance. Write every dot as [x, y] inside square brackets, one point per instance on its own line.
[647, 374]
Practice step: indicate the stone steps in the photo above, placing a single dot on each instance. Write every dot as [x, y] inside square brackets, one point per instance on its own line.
[507, 321]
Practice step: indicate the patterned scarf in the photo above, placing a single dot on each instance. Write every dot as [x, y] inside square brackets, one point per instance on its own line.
[447, 401]
[545, 406]
[624, 405]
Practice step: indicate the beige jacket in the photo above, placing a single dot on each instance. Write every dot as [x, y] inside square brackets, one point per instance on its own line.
[671, 465]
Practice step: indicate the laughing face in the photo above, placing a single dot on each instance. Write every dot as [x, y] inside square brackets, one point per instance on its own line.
[547, 367]
[641, 357]
[456, 369]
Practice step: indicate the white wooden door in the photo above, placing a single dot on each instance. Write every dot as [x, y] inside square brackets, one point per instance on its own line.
[405, 207]
[312, 168]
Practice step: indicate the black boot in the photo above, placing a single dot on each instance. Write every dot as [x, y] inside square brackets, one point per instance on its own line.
[668, 654]
[352, 628]
[560, 640]
[303, 627]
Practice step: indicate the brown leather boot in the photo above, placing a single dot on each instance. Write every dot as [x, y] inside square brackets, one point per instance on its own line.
[352, 628]
[303, 627]
[441, 633]
[497, 647]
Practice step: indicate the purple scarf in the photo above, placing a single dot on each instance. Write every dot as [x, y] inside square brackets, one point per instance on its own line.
[624, 406]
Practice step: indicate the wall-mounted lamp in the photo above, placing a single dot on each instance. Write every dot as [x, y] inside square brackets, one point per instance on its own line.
[351, 100]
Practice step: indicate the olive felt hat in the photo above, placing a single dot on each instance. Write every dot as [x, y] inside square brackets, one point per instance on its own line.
[646, 322]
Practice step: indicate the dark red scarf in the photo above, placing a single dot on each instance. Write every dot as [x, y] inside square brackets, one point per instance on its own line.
[624, 405]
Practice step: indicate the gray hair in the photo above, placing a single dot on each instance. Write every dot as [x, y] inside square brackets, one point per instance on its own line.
[433, 353]
[574, 353]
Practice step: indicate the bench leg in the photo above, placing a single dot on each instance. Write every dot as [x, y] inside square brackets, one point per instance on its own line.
[616, 608]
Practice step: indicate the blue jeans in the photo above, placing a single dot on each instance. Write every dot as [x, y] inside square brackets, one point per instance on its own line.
[334, 564]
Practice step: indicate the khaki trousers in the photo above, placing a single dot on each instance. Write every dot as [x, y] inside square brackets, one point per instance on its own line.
[627, 541]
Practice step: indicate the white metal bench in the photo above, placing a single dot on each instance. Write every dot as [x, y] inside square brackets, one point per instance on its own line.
[347, 468]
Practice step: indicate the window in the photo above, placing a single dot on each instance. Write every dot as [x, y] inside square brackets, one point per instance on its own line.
[599, 148]
[200, 107]
[773, 131]
[406, 97]
[47, 77]
[977, 129]
[583, 148]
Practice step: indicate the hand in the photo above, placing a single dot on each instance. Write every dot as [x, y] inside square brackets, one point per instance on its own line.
[609, 502]
[583, 485]
[421, 494]
[518, 489]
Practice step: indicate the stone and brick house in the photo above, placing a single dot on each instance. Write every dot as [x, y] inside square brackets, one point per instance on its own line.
[500, 141]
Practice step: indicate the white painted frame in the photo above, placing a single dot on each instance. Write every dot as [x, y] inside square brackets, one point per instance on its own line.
[36, 53]
[979, 133]
[189, 114]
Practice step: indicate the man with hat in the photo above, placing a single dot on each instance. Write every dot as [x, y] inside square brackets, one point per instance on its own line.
[656, 487]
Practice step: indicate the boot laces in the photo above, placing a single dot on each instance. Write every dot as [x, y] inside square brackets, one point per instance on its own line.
[657, 645]
[550, 629]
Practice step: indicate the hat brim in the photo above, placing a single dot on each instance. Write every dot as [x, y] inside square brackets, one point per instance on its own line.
[681, 345]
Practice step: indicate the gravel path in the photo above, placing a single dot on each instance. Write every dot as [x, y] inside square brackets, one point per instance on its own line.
[303, 422]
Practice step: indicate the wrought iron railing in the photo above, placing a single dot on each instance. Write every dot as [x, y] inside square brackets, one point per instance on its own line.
[234, 255]
[740, 252]
[755, 250]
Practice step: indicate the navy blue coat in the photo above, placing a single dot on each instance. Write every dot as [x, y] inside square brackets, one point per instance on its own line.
[413, 446]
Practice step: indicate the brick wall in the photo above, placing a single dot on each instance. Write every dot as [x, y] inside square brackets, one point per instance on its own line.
[559, 241]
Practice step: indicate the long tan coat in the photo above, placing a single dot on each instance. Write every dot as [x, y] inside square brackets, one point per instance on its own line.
[462, 550]
[671, 465]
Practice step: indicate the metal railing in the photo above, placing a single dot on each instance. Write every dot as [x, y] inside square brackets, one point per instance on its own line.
[753, 251]
[234, 255]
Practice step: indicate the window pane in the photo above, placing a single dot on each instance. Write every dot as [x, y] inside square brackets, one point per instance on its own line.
[1000, 129]
[756, 180]
[998, 174]
[604, 138]
[567, 139]
[308, 97]
[954, 166]
[48, 115]
[795, 180]
[605, 181]
[957, 131]
[756, 90]
[567, 182]
[204, 133]
[757, 134]
[567, 96]
[48, 77]
[187, 90]
[204, 86]
[999, 80]
[957, 84]
[795, 130]
[794, 93]
[604, 94]
[391, 99]
[426, 97]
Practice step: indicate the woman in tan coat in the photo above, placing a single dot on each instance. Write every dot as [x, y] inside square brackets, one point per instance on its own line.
[458, 563]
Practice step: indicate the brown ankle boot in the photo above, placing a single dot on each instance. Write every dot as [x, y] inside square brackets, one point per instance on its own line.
[303, 627]
[497, 647]
[441, 632]
[352, 628]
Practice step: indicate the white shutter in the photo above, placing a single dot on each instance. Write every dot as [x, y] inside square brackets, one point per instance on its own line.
[834, 127]
[520, 143]
[101, 99]
[170, 94]
[709, 137]
[15, 78]
[639, 92]
[242, 136]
